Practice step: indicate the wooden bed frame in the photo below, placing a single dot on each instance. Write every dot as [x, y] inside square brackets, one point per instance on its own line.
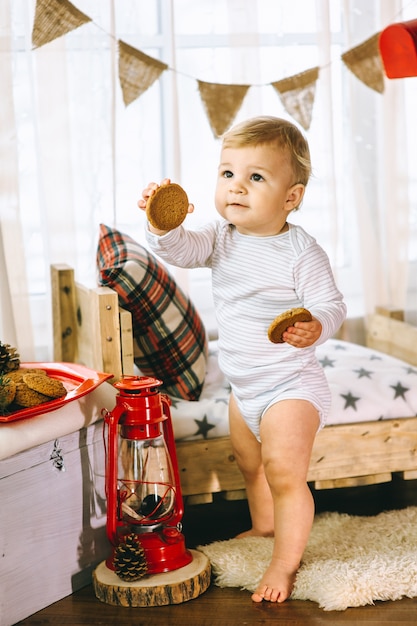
[90, 328]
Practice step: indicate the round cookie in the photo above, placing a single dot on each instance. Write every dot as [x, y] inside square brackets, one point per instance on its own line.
[167, 208]
[27, 397]
[286, 319]
[7, 392]
[45, 385]
[17, 375]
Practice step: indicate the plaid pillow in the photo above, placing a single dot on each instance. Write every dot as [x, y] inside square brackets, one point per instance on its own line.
[169, 336]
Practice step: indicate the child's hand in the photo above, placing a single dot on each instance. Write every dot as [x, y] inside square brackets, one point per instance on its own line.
[143, 203]
[303, 334]
[149, 191]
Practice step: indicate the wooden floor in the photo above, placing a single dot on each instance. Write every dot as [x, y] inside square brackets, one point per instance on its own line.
[232, 607]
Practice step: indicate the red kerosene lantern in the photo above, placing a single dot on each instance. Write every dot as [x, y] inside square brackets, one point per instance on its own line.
[142, 478]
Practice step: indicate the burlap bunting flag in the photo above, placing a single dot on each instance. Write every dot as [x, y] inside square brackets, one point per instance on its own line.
[365, 62]
[222, 102]
[54, 18]
[297, 95]
[137, 71]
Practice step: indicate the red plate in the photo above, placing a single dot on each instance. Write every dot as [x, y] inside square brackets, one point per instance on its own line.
[77, 379]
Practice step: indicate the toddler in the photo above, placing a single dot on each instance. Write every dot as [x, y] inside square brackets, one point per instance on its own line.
[263, 265]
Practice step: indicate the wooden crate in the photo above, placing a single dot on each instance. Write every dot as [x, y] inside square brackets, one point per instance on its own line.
[52, 520]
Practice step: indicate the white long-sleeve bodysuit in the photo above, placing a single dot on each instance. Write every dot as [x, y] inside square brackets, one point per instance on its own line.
[254, 279]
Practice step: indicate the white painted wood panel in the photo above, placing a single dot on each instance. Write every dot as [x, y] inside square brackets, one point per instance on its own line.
[52, 522]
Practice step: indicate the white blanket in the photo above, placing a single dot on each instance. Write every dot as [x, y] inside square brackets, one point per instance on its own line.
[366, 385]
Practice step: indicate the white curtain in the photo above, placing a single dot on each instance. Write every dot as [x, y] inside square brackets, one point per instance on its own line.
[72, 155]
[379, 197]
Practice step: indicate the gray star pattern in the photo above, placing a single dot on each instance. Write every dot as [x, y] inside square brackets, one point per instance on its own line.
[363, 373]
[203, 427]
[350, 400]
[399, 390]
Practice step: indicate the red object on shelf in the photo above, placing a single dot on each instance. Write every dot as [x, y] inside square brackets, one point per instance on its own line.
[398, 48]
[77, 379]
[143, 488]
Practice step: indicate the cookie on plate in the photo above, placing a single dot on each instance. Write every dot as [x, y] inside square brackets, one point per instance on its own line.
[284, 321]
[47, 386]
[26, 397]
[167, 208]
[7, 392]
[17, 375]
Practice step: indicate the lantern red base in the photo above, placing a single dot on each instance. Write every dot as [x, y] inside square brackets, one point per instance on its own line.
[165, 551]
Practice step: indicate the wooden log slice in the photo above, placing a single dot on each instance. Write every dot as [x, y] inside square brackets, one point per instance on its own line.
[173, 587]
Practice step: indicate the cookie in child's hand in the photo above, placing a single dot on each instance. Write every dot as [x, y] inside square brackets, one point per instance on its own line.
[167, 208]
[284, 321]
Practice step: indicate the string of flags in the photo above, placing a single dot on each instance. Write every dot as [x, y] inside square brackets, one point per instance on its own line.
[138, 71]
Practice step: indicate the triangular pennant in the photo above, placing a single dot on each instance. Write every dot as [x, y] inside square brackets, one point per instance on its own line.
[222, 102]
[297, 95]
[137, 71]
[365, 62]
[54, 18]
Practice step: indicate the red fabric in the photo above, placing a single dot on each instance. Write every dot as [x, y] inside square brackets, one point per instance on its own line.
[170, 339]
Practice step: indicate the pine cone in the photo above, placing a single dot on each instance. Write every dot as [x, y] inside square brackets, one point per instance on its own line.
[9, 358]
[129, 559]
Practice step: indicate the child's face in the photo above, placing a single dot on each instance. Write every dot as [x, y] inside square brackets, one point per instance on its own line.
[255, 189]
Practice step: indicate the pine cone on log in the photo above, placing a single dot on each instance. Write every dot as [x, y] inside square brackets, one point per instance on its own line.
[129, 559]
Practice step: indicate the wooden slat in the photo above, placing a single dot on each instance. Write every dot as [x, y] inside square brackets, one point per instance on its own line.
[98, 329]
[364, 448]
[354, 481]
[88, 326]
[126, 341]
[64, 321]
[107, 330]
[409, 475]
[345, 452]
[208, 466]
[200, 498]
[392, 337]
[236, 494]
[388, 311]
[88, 353]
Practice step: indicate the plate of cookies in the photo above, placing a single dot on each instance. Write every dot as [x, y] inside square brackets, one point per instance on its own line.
[35, 388]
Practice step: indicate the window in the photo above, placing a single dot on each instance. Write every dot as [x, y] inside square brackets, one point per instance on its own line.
[83, 157]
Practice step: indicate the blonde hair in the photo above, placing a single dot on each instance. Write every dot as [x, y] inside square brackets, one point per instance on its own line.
[273, 130]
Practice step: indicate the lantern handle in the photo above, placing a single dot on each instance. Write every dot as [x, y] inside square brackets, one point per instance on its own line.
[169, 436]
[111, 420]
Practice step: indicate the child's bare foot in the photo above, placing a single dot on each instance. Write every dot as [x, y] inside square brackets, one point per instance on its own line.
[276, 584]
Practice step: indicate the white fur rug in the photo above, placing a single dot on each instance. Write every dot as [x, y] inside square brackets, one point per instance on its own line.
[349, 560]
